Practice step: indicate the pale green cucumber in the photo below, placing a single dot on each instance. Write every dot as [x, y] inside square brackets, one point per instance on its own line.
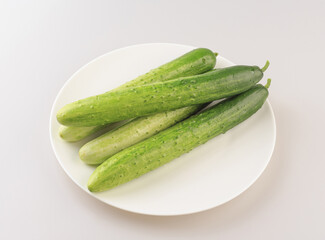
[159, 97]
[74, 134]
[173, 142]
[110, 143]
[197, 61]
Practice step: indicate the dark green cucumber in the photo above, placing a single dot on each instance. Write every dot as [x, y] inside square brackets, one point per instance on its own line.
[159, 97]
[110, 143]
[171, 143]
[197, 61]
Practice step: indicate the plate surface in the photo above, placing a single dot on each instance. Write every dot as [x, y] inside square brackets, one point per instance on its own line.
[208, 176]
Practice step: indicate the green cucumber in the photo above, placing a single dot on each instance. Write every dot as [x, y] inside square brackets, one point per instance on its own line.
[173, 142]
[110, 143]
[197, 61]
[159, 97]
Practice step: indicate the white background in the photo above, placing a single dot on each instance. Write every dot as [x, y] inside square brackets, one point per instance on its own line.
[42, 43]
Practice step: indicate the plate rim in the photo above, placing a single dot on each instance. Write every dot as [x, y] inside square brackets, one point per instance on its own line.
[139, 212]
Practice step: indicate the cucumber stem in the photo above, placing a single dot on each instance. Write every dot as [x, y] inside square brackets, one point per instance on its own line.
[267, 85]
[216, 54]
[267, 64]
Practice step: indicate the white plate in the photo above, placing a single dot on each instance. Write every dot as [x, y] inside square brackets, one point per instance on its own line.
[208, 176]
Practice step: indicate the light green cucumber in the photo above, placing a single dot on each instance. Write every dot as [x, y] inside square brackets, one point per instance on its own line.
[197, 61]
[173, 142]
[159, 97]
[110, 143]
[74, 134]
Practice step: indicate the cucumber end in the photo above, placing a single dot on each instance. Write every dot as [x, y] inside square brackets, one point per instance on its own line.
[216, 54]
[267, 64]
[67, 134]
[91, 185]
[91, 189]
[61, 116]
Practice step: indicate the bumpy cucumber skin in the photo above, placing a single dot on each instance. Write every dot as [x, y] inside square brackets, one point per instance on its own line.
[171, 143]
[110, 143]
[159, 97]
[197, 61]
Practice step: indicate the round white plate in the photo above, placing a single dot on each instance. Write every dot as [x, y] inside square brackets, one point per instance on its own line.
[208, 176]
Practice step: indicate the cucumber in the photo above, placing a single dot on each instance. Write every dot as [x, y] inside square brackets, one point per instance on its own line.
[159, 97]
[171, 143]
[110, 143]
[74, 134]
[197, 61]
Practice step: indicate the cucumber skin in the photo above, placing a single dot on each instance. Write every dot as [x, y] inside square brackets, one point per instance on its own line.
[159, 97]
[197, 61]
[173, 142]
[110, 143]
